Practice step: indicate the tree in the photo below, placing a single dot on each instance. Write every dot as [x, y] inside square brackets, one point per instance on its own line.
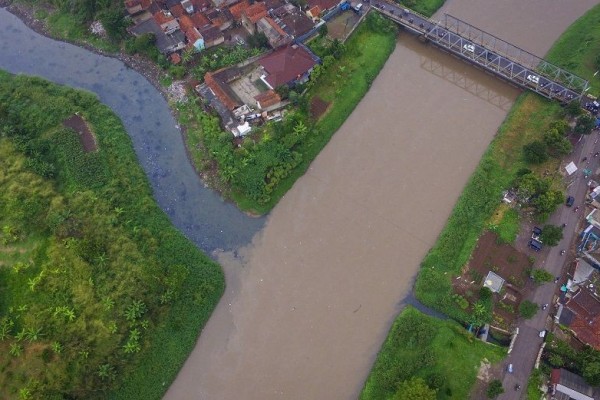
[546, 202]
[535, 152]
[414, 389]
[323, 30]
[494, 389]
[114, 23]
[561, 126]
[528, 309]
[551, 235]
[557, 142]
[541, 276]
[585, 124]
[573, 109]
[258, 40]
[591, 372]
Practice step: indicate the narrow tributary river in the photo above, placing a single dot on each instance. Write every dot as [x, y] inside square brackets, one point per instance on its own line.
[311, 297]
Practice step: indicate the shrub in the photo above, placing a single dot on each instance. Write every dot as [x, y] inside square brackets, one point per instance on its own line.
[535, 152]
[494, 389]
[527, 309]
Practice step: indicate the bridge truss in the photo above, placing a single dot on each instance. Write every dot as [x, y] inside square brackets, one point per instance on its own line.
[505, 59]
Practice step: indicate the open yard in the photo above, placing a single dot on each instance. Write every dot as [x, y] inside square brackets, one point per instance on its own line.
[442, 353]
[339, 26]
[507, 262]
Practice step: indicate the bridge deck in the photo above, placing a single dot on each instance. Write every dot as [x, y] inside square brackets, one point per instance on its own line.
[491, 53]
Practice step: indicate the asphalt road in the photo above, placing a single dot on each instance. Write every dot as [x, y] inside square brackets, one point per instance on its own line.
[528, 342]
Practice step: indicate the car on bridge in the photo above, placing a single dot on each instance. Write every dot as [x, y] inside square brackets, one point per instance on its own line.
[469, 47]
[533, 78]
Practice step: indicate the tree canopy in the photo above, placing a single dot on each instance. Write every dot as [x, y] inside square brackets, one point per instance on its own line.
[551, 235]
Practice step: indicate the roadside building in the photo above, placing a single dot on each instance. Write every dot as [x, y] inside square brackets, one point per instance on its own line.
[565, 385]
[288, 65]
[201, 5]
[323, 5]
[581, 314]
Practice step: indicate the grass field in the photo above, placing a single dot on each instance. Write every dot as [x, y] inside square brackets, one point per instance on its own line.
[443, 353]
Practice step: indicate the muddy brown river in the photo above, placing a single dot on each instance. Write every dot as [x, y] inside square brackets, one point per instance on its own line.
[310, 301]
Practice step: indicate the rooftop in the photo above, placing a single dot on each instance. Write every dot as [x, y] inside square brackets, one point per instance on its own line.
[255, 12]
[322, 4]
[286, 64]
[237, 9]
[585, 322]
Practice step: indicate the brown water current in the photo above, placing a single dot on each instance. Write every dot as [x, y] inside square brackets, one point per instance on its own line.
[309, 303]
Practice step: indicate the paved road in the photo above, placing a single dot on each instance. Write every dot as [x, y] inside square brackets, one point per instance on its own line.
[528, 341]
[475, 53]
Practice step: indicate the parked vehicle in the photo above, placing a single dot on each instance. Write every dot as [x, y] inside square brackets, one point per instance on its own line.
[535, 245]
[570, 201]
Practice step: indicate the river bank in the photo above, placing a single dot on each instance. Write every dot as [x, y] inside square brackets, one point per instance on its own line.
[152, 72]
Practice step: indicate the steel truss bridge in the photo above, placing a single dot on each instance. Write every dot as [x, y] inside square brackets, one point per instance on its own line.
[490, 53]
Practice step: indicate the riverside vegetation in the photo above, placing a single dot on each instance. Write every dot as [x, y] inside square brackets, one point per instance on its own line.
[95, 284]
[258, 172]
[505, 164]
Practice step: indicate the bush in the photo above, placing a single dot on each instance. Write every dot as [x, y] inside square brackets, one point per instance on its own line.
[527, 309]
[585, 124]
[541, 276]
[494, 389]
[535, 152]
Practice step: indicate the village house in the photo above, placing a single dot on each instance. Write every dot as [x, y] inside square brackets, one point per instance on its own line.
[565, 385]
[201, 5]
[322, 5]
[211, 36]
[252, 14]
[581, 314]
[287, 66]
[221, 18]
[166, 21]
[267, 99]
[275, 35]
[166, 43]
[292, 20]
[138, 10]
[237, 9]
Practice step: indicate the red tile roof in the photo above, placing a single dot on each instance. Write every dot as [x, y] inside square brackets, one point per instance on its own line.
[201, 4]
[192, 35]
[322, 4]
[177, 10]
[255, 12]
[267, 99]
[216, 86]
[315, 11]
[286, 65]
[275, 26]
[161, 18]
[186, 22]
[200, 20]
[175, 58]
[586, 323]
[237, 9]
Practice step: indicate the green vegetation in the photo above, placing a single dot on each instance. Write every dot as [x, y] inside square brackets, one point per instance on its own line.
[442, 353]
[585, 362]
[95, 284]
[533, 385]
[528, 309]
[500, 165]
[551, 235]
[257, 173]
[540, 276]
[494, 389]
[507, 228]
[425, 7]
